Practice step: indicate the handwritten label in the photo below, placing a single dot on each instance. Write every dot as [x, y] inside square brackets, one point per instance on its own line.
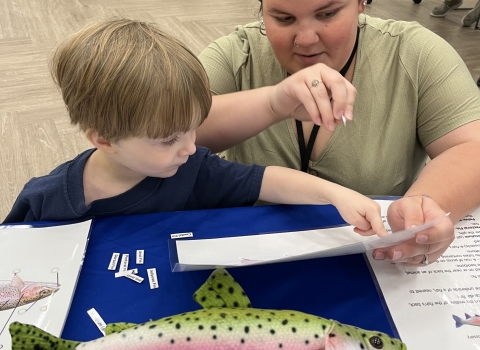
[181, 235]
[113, 261]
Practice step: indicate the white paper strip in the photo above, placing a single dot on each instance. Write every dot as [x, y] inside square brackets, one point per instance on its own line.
[152, 278]
[181, 235]
[135, 278]
[124, 273]
[95, 316]
[113, 261]
[124, 262]
[140, 256]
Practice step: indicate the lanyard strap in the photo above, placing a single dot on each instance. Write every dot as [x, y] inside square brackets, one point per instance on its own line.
[305, 153]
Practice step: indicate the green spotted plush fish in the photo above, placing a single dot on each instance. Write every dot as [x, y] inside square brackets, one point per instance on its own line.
[226, 322]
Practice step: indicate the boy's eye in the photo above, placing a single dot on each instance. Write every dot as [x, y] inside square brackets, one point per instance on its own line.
[170, 142]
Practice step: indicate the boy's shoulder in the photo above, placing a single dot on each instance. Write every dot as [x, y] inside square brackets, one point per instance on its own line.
[58, 176]
[48, 195]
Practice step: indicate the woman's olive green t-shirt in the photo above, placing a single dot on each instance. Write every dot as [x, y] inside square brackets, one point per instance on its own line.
[412, 88]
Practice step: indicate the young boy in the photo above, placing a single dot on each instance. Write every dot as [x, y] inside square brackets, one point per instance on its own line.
[138, 95]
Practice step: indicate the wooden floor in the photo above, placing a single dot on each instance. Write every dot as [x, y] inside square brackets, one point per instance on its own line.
[35, 134]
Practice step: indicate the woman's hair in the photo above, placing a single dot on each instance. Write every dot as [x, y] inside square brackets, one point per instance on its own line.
[124, 78]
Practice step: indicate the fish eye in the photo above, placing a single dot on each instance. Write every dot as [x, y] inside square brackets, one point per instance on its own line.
[376, 342]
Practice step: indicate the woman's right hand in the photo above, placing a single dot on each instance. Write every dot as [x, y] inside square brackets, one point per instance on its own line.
[317, 93]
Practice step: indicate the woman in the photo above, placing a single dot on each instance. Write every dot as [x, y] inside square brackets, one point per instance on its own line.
[413, 97]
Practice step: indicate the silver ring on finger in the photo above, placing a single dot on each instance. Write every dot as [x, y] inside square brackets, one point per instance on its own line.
[316, 82]
[424, 262]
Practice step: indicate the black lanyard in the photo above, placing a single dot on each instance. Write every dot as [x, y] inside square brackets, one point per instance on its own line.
[305, 153]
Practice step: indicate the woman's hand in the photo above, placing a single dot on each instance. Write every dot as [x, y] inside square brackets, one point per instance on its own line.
[408, 212]
[317, 93]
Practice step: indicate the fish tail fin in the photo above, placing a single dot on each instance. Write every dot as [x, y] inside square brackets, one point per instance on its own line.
[221, 290]
[458, 321]
[26, 336]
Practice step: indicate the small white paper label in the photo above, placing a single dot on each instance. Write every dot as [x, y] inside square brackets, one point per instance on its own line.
[124, 262]
[94, 315]
[152, 278]
[124, 273]
[140, 255]
[135, 278]
[181, 235]
[113, 261]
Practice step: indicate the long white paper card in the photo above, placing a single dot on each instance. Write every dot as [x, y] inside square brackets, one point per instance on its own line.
[436, 307]
[284, 246]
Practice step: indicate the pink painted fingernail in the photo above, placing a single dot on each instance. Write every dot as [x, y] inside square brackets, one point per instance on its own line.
[397, 255]
[379, 256]
[331, 126]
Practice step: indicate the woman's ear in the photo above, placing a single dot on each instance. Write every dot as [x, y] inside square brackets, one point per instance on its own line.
[99, 142]
[362, 4]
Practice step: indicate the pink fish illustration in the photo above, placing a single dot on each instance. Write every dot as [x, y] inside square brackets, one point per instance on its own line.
[470, 320]
[16, 293]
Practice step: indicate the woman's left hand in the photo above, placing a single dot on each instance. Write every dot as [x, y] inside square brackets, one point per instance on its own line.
[409, 212]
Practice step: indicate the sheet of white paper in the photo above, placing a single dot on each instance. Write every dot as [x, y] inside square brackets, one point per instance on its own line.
[232, 251]
[36, 255]
[285, 246]
[424, 301]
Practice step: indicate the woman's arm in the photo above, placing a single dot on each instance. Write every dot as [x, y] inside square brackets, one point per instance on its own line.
[238, 116]
[451, 178]
[451, 182]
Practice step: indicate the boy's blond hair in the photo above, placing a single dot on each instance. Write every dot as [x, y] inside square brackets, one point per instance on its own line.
[124, 78]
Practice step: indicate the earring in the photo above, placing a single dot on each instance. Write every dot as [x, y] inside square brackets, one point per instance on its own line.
[295, 43]
[262, 29]
[364, 3]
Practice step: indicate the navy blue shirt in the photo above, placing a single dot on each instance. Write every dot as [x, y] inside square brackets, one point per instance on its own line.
[205, 181]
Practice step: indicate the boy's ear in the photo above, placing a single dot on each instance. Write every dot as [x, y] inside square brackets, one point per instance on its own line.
[99, 142]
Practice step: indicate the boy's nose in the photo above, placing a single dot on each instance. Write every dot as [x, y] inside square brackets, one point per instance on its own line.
[189, 147]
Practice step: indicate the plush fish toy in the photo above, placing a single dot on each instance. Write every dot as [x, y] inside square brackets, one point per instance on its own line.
[226, 322]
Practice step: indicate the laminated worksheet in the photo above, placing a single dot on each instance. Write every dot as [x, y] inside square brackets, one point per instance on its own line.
[437, 306]
[39, 268]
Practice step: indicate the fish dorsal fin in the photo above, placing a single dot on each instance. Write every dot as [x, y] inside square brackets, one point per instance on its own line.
[477, 315]
[118, 327]
[221, 290]
[17, 282]
[467, 316]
